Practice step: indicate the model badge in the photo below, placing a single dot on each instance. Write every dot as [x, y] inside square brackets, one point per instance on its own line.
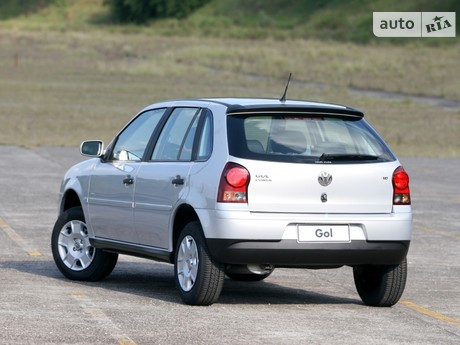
[324, 197]
[324, 178]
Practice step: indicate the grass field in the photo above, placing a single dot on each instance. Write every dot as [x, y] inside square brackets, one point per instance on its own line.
[59, 88]
[68, 73]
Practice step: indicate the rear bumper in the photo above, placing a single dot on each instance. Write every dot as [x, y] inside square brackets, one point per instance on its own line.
[243, 225]
[290, 253]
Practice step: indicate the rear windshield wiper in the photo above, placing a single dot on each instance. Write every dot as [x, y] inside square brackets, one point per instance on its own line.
[346, 157]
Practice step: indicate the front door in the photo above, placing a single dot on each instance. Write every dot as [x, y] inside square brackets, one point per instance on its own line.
[112, 185]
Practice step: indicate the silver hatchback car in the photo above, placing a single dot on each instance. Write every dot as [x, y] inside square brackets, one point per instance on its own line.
[238, 187]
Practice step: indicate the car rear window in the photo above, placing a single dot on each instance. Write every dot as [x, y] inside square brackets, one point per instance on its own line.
[305, 138]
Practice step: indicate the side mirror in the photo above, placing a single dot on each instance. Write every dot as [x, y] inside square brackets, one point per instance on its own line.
[92, 148]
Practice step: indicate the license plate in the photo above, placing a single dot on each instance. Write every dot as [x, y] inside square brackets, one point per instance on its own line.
[324, 233]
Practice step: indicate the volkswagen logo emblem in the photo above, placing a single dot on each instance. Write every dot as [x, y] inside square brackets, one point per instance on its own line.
[324, 178]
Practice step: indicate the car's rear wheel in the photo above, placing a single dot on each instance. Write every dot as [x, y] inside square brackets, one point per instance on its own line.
[199, 278]
[72, 252]
[381, 286]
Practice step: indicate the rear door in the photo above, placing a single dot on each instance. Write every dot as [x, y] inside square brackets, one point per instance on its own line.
[307, 163]
[163, 180]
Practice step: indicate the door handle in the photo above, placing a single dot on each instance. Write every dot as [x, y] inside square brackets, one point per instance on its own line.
[128, 180]
[178, 180]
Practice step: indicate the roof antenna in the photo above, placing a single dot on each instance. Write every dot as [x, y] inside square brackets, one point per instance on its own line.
[283, 98]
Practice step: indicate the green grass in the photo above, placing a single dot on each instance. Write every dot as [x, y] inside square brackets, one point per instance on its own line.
[336, 20]
[333, 19]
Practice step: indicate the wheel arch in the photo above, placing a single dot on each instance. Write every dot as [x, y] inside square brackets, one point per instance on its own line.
[70, 199]
[185, 214]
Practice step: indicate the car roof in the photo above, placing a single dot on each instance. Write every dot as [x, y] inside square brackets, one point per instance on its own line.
[245, 102]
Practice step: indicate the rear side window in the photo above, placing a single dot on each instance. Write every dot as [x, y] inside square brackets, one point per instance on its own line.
[186, 136]
[176, 139]
[305, 138]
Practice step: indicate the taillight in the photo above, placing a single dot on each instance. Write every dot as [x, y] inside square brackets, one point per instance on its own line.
[401, 191]
[233, 186]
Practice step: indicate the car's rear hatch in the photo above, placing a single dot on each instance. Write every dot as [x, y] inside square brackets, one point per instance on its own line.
[312, 161]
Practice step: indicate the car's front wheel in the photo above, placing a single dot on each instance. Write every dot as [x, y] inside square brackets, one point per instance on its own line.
[380, 286]
[199, 278]
[72, 252]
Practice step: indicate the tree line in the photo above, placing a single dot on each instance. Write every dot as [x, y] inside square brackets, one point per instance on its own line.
[141, 11]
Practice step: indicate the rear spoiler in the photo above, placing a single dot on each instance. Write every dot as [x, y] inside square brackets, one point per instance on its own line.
[317, 110]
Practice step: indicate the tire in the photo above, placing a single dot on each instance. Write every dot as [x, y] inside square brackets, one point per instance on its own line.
[380, 286]
[72, 252]
[198, 277]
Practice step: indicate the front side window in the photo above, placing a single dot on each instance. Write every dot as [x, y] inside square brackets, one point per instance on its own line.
[132, 142]
[305, 138]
